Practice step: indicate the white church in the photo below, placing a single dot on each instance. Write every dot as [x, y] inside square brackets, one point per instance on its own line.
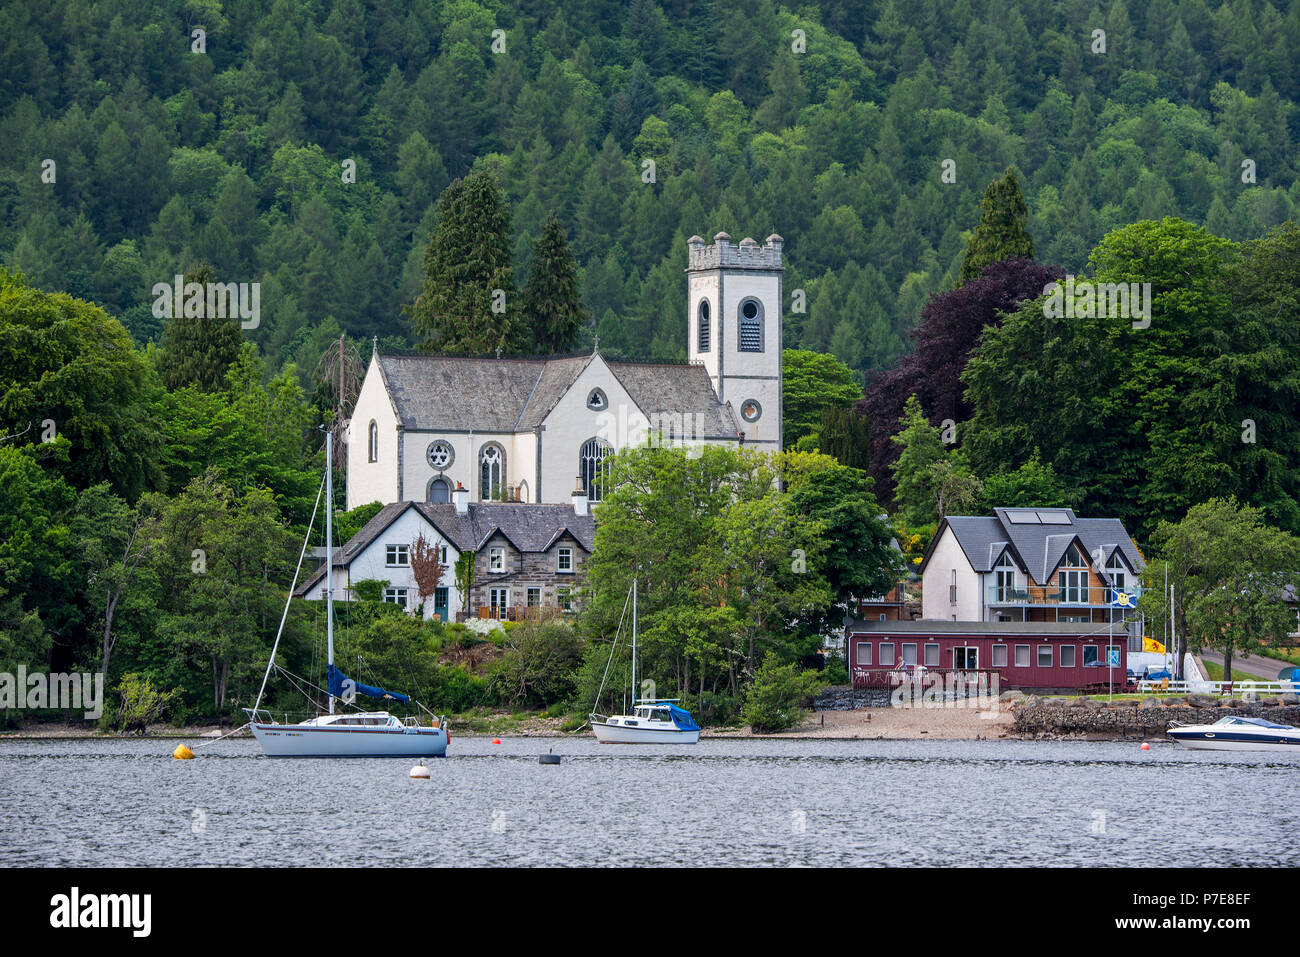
[537, 430]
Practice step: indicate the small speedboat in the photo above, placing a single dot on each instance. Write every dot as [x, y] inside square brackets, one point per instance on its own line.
[1235, 733]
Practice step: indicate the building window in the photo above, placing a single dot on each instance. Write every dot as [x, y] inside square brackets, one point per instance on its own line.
[496, 559]
[492, 472]
[750, 410]
[396, 596]
[999, 656]
[1134, 643]
[1022, 656]
[440, 455]
[591, 466]
[1068, 654]
[374, 441]
[1004, 579]
[751, 326]
[442, 554]
[909, 654]
[397, 555]
[952, 590]
[499, 600]
[931, 655]
[704, 325]
[439, 491]
[564, 559]
[886, 652]
[597, 401]
[863, 653]
[1044, 656]
[534, 597]
[1091, 656]
[1073, 584]
[564, 597]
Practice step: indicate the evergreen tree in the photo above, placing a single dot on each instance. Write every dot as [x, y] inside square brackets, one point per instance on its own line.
[553, 306]
[198, 349]
[921, 449]
[1003, 231]
[468, 303]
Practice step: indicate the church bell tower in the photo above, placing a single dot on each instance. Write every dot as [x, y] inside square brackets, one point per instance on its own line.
[734, 328]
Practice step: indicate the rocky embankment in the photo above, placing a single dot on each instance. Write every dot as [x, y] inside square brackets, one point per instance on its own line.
[1132, 718]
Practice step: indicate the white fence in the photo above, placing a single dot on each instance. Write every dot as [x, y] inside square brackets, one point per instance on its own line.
[1241, 688]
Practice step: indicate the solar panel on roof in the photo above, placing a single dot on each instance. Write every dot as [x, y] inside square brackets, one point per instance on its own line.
[1022, 517]
[1054, 517]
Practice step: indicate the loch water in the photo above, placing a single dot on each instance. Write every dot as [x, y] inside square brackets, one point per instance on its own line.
[721, 802]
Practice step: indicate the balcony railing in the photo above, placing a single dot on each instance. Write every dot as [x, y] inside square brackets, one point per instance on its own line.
[1094, 596]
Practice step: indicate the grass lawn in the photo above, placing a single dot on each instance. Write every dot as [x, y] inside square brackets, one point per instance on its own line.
[1216, 673]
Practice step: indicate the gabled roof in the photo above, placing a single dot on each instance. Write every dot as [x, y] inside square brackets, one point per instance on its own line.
[528, 527]
[516, 395]
[1037, 538]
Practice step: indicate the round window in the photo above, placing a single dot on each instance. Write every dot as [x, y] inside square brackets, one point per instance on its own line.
[750, 410]
[749, 309]
[440, 455]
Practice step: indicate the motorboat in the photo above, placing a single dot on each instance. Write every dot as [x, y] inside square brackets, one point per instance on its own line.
[1235, 733]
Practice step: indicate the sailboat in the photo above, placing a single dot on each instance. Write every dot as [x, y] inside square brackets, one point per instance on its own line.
[652, 721]
[360, 734]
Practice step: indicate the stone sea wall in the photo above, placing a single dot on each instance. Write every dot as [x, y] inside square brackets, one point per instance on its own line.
[1132, 718]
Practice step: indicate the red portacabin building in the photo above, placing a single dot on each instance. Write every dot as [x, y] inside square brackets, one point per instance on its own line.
[1042, 656]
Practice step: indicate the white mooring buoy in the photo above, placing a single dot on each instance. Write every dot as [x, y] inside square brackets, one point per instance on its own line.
[420, 771]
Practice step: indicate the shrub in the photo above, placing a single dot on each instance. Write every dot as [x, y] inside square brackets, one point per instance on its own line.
[778, 694]
[538, 664]
[142, 703]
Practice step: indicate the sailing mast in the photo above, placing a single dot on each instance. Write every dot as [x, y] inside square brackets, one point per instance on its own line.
[329, 559]
[633, 642]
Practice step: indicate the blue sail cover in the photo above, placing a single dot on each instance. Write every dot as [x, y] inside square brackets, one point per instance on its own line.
[336, 688]
[682, 718]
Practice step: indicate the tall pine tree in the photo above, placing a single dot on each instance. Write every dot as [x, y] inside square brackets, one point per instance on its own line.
[197, 350]
[553, 306]
[1003, 232]
[469, 302]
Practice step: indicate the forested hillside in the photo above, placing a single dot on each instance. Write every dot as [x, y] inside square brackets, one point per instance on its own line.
[835, 136]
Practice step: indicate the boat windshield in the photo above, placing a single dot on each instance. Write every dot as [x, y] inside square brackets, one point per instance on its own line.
[1256, 722]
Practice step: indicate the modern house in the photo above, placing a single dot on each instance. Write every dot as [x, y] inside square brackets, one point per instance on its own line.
[519, 429]
[1023, 654]
[527, 557]
[1030, 565]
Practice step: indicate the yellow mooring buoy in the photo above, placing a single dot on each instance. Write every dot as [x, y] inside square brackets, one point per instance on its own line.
[182, 753]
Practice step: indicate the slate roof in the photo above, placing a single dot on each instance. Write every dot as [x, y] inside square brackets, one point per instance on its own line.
[529, 527]
[1037, 548]
[512, 395]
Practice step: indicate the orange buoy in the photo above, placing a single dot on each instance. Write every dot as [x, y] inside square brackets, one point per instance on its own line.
[496, 740]
[1145, 746]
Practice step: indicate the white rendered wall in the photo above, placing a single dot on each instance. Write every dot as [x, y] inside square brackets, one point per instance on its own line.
[947, 555]
[570, 424]
[372, 481]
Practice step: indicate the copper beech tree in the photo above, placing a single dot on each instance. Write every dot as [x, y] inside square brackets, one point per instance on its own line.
[427, 566]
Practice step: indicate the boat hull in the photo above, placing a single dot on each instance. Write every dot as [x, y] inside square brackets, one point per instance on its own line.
[1228, 741]
[624, 734]
[301, 741]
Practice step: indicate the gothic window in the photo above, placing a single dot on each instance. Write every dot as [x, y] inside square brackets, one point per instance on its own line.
[704, 325]
[440, 455]
[439, 490]
[591, 466]
[374, 441]
[751, 326]
[492, 472]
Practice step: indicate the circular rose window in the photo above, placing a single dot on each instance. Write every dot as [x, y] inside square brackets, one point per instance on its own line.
[440, 455]
[750, 410]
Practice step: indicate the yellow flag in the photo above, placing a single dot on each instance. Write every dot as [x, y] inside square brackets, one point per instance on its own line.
[1150, 644]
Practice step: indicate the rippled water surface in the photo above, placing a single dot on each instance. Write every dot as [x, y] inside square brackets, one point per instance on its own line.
[720, 802]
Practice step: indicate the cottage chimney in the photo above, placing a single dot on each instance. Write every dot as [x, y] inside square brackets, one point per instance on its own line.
[579, 498]
[460, 498]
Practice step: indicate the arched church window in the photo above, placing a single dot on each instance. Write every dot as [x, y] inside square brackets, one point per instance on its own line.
[751, 326]
[591, 466]
[439, 490]
[492, 472]
[374, 441]
[704, 325]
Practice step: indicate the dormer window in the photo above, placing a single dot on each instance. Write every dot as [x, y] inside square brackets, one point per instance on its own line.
[1116, 571]
[751, 326]
[704, 325]
[1072, 580]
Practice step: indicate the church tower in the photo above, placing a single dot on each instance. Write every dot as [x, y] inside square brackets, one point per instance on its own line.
[734, 328]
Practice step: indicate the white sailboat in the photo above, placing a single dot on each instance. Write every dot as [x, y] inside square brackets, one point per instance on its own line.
[362, 734]
[652, 721]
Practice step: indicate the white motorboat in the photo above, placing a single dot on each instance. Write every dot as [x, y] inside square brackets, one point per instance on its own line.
[653, 720]
[1235, 733]
[363, 734]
